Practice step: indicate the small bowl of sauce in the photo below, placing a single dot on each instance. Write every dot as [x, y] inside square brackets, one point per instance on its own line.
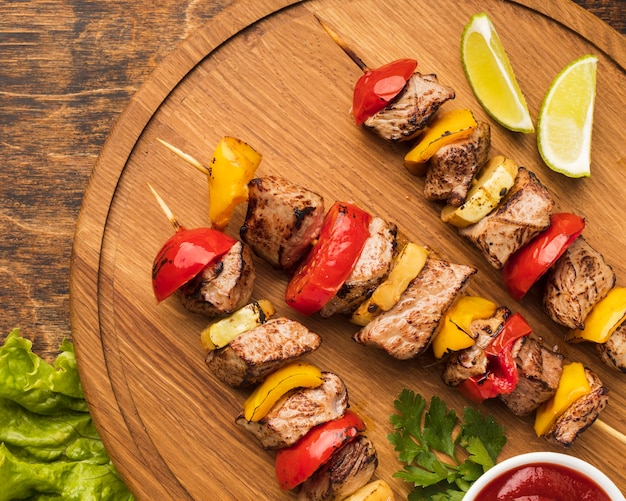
[544, 476]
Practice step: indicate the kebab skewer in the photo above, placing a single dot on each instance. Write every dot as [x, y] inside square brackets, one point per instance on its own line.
[503, 211]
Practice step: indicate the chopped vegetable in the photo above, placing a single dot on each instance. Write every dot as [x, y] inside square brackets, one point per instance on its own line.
[330, 262]
[406, 266]
[493, 182]
[279, 382]
[220, 333]
[501, 376]
[378, 490]
[297, 463]
[233, 165]
[606, 316]
[421, 437]
[528, 264]
[377, 88]
[572, 385]
[49, 446]
[447, 127]
[184, 256]
[454, 333]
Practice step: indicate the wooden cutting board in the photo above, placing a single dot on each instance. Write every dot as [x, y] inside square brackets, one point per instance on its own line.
[265, 71]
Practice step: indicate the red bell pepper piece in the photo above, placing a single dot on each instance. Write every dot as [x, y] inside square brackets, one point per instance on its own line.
[502, 376]
[530, 262]
[376, 88]
[184, 256]
[331, 260]
[297, 463]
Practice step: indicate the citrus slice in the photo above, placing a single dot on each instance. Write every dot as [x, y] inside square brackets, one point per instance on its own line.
[566, 119]
[490, 75]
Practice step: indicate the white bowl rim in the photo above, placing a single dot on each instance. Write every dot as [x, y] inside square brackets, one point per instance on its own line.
[571, 462]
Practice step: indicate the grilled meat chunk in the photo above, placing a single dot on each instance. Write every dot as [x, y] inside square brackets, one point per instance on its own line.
[251, 356]
[473, 361]
[348, 469]
[281, 221]
[222, 287]
[406, 330]
[524, 213]
[407, 115]
[299, 411]
[369, 271]
[539, 371]
[453, 167]
[581, 414]
[613, 352]
[577, 281]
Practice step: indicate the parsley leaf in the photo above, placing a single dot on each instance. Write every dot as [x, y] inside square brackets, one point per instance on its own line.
[426, 442]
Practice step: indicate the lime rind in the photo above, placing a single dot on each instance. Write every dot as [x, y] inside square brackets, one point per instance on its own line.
[507, 105]
[566, 119]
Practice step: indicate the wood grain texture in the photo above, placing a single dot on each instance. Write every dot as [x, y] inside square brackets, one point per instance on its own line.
[142, 365]
[67, 70]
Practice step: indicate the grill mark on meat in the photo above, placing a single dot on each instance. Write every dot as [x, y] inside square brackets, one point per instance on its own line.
[453, 167]
[524, 213]
[581, 414]
[613, 352]
[297, 412]
[407, 329]
[251, 356]
[222, 287]
[473, 361]
[282, 220]
[369, 271]
[407, 115]
[347, 470]
[539, 372]
[578, 280]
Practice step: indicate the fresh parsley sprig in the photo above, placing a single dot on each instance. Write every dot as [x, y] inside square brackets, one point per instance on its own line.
[427, 444]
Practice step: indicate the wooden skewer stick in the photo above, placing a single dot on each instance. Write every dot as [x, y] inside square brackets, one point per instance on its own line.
[610, 430]
[342, 43]
[185, 156]
[174, 222]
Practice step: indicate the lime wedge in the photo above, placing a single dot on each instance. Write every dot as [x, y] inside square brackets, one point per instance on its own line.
[566, 119]
[490, 75]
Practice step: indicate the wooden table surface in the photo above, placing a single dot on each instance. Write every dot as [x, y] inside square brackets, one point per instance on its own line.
[67, 69]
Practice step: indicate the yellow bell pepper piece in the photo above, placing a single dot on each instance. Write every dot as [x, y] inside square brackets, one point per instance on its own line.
[279, 382]
[232, 167]
[572, 386]
[605, 317]
[220, 333]
[407, 265]
[447, 127]
[378, 490]
[454, 332]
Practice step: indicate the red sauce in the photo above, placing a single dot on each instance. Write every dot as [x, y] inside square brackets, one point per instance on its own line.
[542, 482]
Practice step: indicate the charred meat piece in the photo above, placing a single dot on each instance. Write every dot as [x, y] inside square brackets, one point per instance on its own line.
[222, 287]
[453, 167]
[524, 213]
[577, 281]
[299, 411]
[406, 330]
[613, 352]
[369, 271]
[348, 469]
[251, 356]
[282, 220]
[473, 361]
[539, 371]
[407, 115]
[581, 414]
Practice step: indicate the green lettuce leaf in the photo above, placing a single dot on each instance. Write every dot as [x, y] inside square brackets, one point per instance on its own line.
[49, 446]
